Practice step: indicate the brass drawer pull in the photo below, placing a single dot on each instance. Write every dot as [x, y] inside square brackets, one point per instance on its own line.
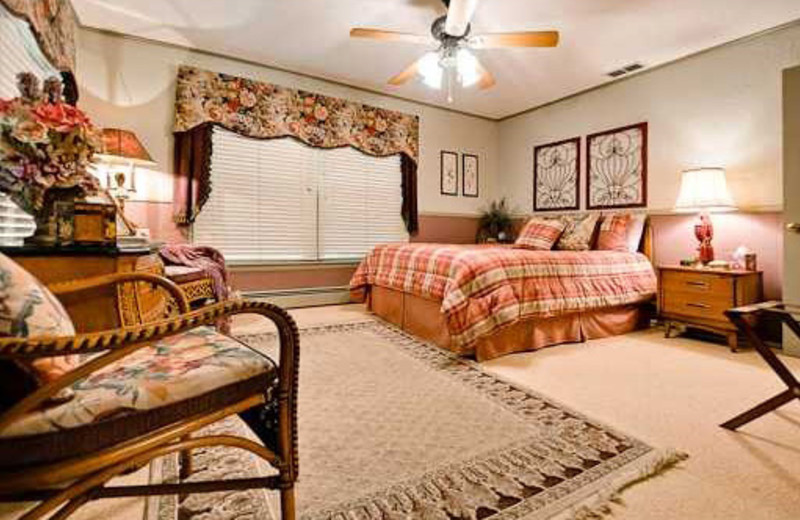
[698, 305]
[696, 284]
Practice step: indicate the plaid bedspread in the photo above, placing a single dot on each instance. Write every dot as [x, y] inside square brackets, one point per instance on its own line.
[483, 288]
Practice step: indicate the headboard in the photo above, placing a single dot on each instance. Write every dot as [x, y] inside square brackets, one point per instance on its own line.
[646, 246]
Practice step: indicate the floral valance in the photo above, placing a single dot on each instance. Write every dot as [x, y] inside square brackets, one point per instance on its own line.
[263, 110]
[54, 24]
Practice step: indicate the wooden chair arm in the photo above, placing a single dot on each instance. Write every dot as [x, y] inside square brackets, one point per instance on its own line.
[122, 342]
[62, 288]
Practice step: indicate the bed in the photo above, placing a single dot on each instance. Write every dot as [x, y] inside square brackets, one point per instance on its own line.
[492, 300]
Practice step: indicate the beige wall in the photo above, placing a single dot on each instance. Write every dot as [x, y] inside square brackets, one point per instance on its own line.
[131, 84]
[719, 108]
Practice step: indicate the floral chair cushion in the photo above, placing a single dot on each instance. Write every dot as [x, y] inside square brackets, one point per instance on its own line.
[28, 309]
[175, 369]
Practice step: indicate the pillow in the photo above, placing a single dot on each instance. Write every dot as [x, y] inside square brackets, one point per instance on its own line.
[28, 309]
[635, 231]
[540, 234]
[613, 234]
[578, 232]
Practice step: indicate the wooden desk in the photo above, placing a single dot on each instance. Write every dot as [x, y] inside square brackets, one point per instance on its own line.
[97, 309]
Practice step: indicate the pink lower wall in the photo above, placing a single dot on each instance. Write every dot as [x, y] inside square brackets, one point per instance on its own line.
[673, 240]
[446, 229]
[260, 280]
[157, 217]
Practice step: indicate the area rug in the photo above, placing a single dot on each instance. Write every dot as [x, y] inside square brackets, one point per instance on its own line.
[391, 427]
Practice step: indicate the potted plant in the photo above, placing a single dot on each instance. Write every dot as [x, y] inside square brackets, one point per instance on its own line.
[46, 149]
[495, 223]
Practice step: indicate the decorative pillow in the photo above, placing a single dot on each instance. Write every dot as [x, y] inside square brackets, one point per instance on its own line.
[635, 231]
[613, 234]
[28, 309]
[578, 232]
[540, 234]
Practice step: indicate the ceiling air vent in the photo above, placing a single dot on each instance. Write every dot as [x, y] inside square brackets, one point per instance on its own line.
[627, 69]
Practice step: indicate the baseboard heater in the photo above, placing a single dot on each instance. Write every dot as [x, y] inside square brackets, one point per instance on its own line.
[303, 297]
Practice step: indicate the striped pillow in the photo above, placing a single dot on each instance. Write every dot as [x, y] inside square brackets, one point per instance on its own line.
[540, 234]
[613, 235]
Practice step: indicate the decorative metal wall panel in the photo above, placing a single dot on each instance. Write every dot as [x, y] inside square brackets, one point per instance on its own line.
[556, 175]
[616, 161]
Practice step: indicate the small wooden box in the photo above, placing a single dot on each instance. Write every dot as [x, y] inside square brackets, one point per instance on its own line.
[95, 223]
[699, 297]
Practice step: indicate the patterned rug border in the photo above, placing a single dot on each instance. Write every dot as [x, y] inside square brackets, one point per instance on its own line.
[584, 496]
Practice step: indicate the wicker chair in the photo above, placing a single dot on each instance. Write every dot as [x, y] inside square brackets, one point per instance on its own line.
[63, 468]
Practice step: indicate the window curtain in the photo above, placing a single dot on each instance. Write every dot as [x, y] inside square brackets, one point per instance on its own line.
[54, 24]
[266, 111]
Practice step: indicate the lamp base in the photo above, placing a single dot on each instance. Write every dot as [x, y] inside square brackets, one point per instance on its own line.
[704, 231]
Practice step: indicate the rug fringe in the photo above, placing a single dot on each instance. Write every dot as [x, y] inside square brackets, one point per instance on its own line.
[599, 505]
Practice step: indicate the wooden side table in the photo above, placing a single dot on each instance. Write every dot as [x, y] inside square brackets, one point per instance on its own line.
[104, 308]
[698, 298]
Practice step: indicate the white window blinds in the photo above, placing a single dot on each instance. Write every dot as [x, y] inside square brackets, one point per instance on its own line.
[280, 200]
[19, 52]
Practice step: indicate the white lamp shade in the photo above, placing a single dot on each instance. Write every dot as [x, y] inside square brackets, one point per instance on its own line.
[704, 189]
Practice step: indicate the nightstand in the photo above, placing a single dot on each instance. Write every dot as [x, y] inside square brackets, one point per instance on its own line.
[697, 298]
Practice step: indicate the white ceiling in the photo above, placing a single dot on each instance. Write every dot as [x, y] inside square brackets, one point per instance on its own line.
[311, 36]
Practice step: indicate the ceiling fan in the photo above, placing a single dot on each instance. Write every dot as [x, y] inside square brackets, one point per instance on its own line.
[453, 60]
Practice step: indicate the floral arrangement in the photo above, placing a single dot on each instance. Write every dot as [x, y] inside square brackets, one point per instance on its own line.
[45, 143]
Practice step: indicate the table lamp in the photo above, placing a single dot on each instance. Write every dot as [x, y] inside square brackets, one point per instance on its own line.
[122, 153]
[704, 190]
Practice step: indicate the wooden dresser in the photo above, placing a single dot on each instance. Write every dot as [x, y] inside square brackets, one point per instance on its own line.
[128, 304]
[699, 297]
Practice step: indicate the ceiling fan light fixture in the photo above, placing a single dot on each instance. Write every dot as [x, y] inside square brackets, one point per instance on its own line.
[467, 67]
[430, 70]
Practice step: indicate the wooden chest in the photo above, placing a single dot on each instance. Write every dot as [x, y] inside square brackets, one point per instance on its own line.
[699, 297]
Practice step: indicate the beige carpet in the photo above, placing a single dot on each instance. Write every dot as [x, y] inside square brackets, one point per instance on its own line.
[669, 392]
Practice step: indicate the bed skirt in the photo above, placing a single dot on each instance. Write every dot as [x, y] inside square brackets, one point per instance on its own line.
[422, 317]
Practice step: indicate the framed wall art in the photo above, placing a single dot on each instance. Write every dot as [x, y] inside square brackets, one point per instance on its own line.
[449, 173]
[556, 175]
[469, 175]
[616, 162]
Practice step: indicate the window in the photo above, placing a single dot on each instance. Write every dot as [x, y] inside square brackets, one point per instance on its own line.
[279, 200]
[20, 53]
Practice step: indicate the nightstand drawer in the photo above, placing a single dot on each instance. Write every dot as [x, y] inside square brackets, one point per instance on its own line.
[710, 307]
[698, 283]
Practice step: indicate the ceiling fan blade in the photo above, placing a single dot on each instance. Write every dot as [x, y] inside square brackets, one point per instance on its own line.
[407, 73]
[515, 39]
[392, 36]
[459, 14]
[486, 80]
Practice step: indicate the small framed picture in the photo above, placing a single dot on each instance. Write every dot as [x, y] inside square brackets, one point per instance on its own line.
[469, 175]
[449, 173]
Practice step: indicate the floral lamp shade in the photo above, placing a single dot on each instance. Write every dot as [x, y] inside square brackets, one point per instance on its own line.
[124, 146]
[704, 189]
